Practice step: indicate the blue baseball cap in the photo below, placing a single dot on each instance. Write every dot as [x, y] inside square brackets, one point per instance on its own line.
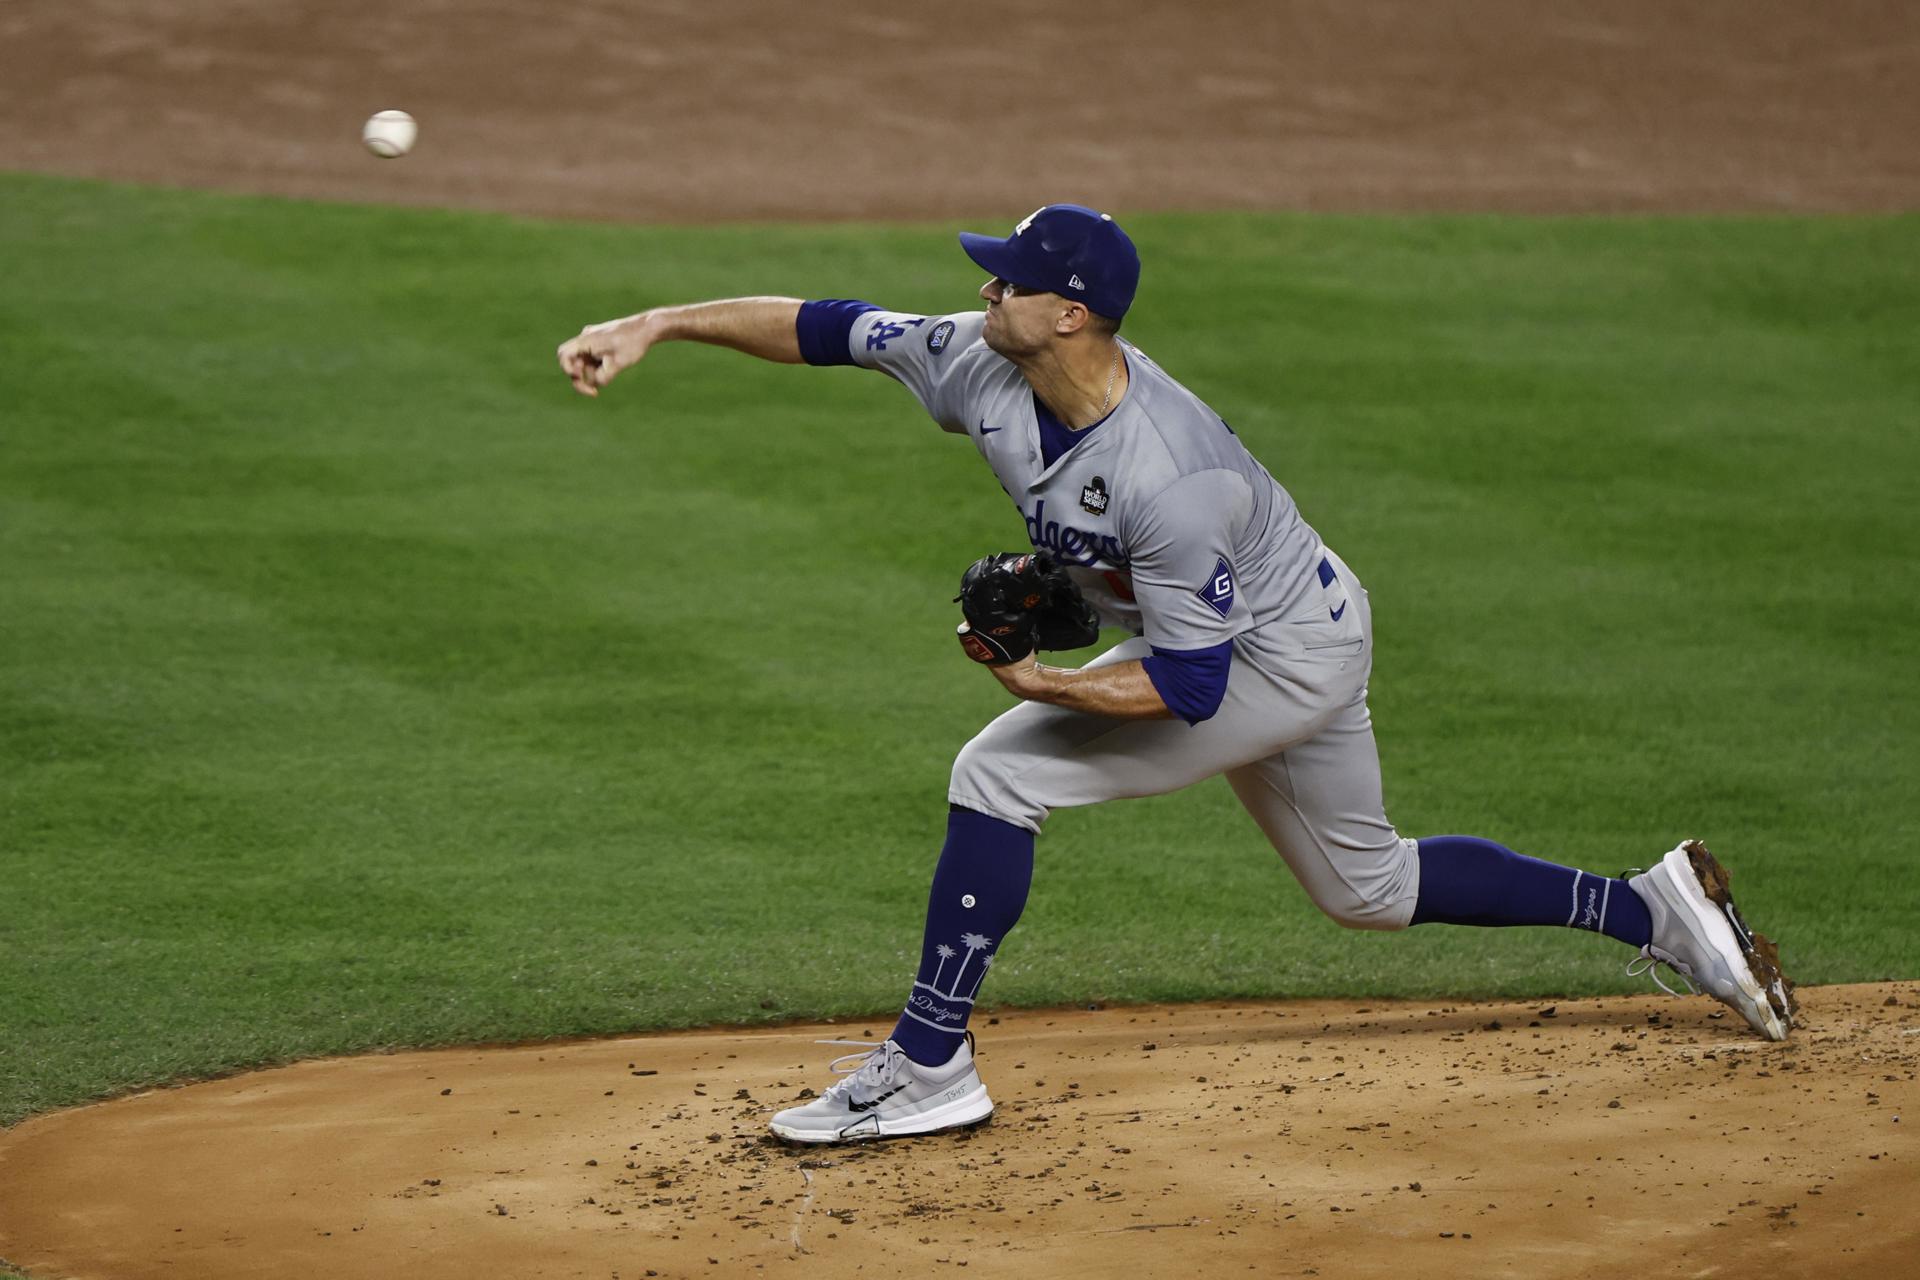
[1068, 249]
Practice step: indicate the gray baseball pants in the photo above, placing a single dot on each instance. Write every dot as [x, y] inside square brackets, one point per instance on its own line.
[1292, 736]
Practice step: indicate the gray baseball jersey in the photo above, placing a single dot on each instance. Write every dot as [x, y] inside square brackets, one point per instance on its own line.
[1170, 527]
[1178, 534]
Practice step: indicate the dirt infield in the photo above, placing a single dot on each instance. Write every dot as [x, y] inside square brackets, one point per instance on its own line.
[1643, 1137]
[660, 109]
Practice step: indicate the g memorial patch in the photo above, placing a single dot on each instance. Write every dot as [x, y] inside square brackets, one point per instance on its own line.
[937, 339]
[1217, 594]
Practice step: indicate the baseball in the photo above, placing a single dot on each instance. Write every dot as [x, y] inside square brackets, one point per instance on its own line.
[390, 134]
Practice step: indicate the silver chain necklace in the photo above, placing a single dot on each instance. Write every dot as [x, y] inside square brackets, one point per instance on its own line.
[1112, 373]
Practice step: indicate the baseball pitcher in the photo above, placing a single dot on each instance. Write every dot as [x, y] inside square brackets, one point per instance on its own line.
[1249, 642]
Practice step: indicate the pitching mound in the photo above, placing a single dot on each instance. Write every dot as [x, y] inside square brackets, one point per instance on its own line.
[1643, 1136]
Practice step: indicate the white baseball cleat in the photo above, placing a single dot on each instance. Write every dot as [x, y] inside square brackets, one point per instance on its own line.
[889, 1095]
[1699, 934]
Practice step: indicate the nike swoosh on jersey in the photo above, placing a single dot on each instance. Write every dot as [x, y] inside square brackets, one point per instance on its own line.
[987, 431]
[1337, 612]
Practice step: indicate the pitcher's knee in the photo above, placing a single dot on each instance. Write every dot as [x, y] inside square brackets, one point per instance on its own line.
[1355, 913]
[983, 781]
[1377, 888]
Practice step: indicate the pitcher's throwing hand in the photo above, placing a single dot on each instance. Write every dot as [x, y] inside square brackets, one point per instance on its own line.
[600, 351]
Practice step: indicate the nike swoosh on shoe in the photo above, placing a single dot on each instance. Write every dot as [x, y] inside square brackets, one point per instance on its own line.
[868, 1106]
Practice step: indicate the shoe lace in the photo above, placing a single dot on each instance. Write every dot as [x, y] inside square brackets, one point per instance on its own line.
[1647, 965]
[863, 1074]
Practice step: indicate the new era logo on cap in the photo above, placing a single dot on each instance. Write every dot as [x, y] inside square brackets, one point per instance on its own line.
[1076, 283]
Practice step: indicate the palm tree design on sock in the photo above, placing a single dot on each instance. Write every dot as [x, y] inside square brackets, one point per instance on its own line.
[945, 953]
[972, 942]
[986, 966]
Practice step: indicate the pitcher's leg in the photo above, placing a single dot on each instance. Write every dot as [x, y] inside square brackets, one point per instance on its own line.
[1037, 758]
[1320, 804]
[979, 890]
[1473, 881]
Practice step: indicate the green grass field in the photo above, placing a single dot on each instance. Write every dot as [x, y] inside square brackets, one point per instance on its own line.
[362, 686]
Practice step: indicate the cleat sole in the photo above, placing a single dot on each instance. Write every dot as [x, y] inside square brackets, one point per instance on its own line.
[1761, 952]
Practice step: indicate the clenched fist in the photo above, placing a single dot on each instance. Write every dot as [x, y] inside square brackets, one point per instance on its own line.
[591, 359]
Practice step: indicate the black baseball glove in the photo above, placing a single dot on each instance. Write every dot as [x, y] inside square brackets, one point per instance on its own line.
[1016, 602]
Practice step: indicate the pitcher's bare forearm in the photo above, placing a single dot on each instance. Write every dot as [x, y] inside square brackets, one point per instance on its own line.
[1122, 690]
[763, 327]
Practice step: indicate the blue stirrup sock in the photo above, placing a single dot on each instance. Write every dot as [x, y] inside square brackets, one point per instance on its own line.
[1467, 880]
[979, 890]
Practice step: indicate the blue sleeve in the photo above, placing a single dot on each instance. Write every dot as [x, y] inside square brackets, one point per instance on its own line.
[824, 326]
[1191, 683]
